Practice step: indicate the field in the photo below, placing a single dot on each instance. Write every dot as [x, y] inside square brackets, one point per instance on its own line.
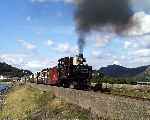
[138, 91]
[135, 91]
[26, 103]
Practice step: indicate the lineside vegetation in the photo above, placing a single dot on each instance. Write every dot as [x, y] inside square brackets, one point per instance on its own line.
[26, 103]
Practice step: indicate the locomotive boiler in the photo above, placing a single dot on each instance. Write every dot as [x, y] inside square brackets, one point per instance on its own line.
[71, 72]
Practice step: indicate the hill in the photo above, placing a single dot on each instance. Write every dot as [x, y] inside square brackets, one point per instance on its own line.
[116, 74]
[8, 70]
[120, 71]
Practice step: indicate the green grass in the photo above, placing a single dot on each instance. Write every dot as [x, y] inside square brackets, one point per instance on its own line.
[5, 81]
[26, 103]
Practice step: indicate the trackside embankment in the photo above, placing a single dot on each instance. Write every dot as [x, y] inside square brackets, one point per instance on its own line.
[106, 106]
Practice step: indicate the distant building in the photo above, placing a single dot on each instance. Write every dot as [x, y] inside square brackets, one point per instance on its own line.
[143, 83]
[25, 79]
[16, 79]
[4, 77]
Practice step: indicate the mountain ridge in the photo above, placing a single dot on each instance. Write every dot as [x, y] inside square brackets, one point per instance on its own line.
[120, 71]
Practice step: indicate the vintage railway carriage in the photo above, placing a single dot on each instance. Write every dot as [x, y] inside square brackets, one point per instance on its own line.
[51, 76]
[70, 72]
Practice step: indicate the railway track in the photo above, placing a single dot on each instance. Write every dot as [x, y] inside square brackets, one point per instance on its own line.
[108, 92]
[120, 95]
[113, 94]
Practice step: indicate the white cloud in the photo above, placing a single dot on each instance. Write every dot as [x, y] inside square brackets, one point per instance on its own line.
[64, 48]
[102, 54]
[39, 64]
[102, 40]
[16, 60]
[131, 44]
[50, 42]
[28, 61]
[136, 53]
[142, 53]
[132, 59]
[97, 54]
[140, 42]
[102, 61]
[127, 44]
[116, 62]
[142, 24]
[27, 45]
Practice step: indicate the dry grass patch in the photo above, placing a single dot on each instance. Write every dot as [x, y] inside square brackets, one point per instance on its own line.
[20, 103]
[140, 93]
[26, 103]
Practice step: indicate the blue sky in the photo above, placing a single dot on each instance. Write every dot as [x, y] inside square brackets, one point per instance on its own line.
[35, 33]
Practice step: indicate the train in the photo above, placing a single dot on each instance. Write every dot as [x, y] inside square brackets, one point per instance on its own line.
[70, 72]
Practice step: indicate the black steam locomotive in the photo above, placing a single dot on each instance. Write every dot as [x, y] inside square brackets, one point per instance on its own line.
[74, 73]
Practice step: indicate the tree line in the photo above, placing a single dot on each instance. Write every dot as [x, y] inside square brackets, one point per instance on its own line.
[10, 71]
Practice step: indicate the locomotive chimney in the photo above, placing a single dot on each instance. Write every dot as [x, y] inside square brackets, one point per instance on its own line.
[80, 55]
[81, 58]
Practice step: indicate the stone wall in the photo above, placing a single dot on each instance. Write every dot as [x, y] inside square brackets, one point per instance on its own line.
[105, 106]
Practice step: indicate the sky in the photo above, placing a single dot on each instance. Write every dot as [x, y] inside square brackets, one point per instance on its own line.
[34, 34]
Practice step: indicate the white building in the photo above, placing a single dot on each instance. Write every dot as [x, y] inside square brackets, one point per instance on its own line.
[3, 77]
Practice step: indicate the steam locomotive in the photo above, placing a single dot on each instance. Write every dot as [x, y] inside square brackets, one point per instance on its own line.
[71, 72]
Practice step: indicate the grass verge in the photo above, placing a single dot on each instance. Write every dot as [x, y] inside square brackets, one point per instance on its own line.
[26, 103]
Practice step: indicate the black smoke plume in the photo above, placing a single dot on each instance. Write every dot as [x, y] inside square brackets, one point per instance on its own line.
[81, 42]
[94, 14]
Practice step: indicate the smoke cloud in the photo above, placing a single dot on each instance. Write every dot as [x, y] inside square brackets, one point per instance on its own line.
[96, 14]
